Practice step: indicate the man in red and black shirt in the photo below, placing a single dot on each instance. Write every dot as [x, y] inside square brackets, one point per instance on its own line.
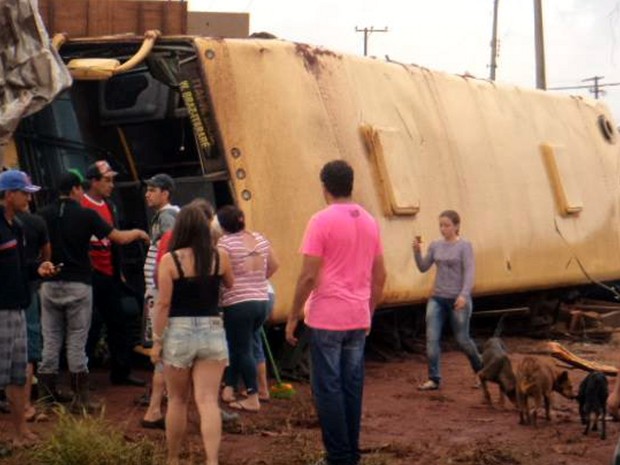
[107, 281]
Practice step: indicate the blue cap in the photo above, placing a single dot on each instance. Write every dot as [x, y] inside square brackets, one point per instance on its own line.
[15, 180]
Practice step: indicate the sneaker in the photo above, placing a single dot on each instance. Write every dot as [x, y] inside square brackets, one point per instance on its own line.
[429, 385]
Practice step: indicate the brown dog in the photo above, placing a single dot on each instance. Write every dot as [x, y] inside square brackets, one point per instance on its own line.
[536, 379]
[497, 368]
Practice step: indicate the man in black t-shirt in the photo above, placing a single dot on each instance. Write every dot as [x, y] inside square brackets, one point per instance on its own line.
[15, 273]
[67, 299]
[37, 249]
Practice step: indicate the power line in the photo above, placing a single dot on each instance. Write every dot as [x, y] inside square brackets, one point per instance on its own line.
[595, 87]
[367, 31]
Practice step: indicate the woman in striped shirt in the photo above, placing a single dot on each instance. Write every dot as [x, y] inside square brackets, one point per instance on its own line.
[245, 304]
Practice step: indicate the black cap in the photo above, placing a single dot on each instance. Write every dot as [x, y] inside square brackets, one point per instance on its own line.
[99, 169]
[162, 180]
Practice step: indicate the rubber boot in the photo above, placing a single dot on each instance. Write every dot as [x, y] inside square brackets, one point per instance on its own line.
[46, 388]
[81, 394]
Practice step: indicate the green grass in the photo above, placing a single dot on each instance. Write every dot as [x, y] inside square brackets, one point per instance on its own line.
[80, 440]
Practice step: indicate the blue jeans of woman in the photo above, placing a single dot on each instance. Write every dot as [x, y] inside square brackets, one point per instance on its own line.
[257, 345]
[241, 322]
[438, 310]
[337, 378]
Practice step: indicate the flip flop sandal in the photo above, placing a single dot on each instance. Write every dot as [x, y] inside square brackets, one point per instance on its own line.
[243, 408]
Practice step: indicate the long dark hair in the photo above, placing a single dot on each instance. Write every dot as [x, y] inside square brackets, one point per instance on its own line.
[191, 230]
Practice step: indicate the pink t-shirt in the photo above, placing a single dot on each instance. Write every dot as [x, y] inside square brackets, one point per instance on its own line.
[347, 238]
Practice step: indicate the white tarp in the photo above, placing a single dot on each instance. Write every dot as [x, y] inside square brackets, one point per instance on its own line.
[31, 71]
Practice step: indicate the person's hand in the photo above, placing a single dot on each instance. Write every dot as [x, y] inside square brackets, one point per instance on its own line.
[460, 302]
[156, 353]
[47, 270]
[291, 326]
[417, 244]
[143, 236]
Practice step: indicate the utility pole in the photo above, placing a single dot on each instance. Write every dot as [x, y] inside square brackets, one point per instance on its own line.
[494, 42]
[596, 88]
[367, 31]
[539, 39]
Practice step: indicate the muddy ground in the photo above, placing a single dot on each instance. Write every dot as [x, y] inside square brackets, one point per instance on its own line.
[400, 425]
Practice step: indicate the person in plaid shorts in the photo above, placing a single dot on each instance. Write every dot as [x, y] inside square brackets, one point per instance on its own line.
[15, 273]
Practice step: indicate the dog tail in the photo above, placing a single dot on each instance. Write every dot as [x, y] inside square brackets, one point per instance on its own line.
[500, 326]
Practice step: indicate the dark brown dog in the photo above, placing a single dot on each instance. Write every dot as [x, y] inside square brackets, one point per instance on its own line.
[497, 368]
[592, 398]
[536, 379]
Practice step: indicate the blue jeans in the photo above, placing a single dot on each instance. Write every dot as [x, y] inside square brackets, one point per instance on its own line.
[257, 345]
[438, 310]
[241, 322]
[337, 378]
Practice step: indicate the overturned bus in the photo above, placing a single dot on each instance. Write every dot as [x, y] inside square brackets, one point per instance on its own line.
[534, 175]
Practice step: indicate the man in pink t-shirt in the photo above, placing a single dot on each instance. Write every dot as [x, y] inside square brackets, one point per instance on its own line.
[341, 281]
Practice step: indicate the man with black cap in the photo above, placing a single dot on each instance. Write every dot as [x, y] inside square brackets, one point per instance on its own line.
[159, 189]
[15, 194]
[67, 299]
[107, 281]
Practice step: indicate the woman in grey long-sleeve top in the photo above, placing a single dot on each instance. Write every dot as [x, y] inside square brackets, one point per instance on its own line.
[451, 297]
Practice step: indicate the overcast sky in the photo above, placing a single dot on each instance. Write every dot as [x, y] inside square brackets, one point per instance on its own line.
[582, 37]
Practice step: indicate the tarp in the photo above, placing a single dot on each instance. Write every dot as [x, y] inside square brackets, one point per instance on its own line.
[31, 71]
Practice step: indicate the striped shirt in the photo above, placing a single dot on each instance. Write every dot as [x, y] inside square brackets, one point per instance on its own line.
[162, 222]
[249, 268]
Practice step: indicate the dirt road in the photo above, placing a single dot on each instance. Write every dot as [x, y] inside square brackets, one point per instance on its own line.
[400, 425]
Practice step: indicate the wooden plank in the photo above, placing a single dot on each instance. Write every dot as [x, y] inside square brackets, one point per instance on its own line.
[124, 17]
[91, 18]
[99, 18]
[71, 16]
[152, 15]
[44, 11]
[175, 18]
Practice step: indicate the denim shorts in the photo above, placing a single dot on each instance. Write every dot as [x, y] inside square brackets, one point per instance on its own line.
[194, 338]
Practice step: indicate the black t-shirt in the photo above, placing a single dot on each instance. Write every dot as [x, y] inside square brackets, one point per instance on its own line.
[71, 227]
[14, 272]
[35, 232]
